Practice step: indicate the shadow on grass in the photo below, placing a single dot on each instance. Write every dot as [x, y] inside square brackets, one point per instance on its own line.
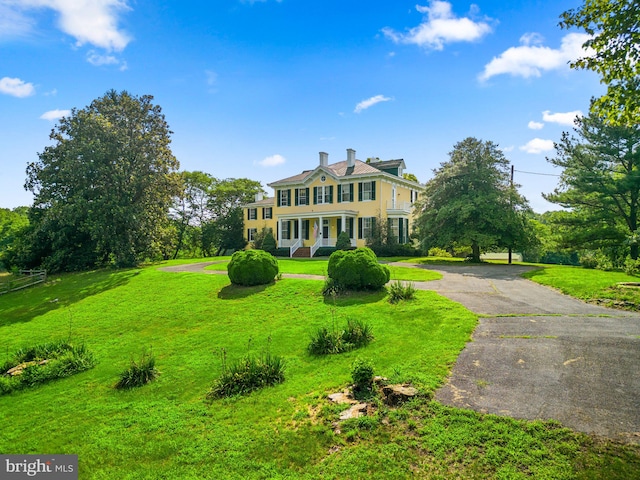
[58, 291]
[232, 292]
[349, 298]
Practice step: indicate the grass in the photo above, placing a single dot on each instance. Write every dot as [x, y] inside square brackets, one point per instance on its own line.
[168, 430]
[314, 266]
[590, 285]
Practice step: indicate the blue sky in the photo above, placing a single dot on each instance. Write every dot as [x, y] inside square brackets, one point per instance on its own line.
[257, 88]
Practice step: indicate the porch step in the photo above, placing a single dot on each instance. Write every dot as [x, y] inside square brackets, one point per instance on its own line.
[302, 252]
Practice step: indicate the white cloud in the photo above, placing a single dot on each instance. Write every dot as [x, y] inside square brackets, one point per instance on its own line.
[537, 145]
[370, 102]
[535, 125]
[93, 22]
[272, 161]
[440, 26]
[566, 118]
[530, 60]
[12, 22]
[52, 115]
[16, 87]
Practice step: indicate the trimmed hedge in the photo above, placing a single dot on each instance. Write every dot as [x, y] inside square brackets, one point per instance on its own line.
[252, 267]
[357, 270]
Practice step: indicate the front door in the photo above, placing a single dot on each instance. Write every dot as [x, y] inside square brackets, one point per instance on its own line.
[325, 231]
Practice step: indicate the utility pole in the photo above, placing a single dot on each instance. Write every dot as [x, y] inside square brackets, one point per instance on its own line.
[511, 204]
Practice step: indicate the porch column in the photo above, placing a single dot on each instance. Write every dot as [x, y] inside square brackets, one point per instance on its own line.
[343, 225]
[300, 237]
[320, 227]
[279, 228]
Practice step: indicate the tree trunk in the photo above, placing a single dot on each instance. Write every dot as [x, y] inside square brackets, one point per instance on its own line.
[475, 252]
[634, 251]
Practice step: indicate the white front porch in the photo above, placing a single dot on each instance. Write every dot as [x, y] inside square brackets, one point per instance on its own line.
[314, 230]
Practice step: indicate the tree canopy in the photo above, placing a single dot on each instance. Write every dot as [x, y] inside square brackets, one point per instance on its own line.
[103, 189]
[470, 201]
[600, 184]
[614, 26]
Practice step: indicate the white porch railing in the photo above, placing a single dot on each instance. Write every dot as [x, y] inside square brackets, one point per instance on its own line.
[294, 247]
[315, 247]
[403, 206]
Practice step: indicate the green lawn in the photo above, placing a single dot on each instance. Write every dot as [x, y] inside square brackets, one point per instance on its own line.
[314, 266]
[590, 284]
[167, 430]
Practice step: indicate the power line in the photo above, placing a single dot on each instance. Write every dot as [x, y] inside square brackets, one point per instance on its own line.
[537, 173]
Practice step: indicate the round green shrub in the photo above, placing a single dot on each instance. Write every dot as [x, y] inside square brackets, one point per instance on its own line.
[362, 375]
[357, 270]
[252, 267]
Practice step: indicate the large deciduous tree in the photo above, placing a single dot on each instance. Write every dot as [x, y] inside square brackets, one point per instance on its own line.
[599, 184]
[104, 188]
[614, 26]
[470, 201]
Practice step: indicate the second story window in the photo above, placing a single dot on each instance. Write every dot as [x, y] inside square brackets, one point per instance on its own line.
[284, 198]
[322, 195]
[252, 214]
[366, 191]
[346, 193]
[302, 196]
[267, 213]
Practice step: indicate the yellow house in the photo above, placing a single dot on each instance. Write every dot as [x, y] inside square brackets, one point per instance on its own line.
[310, 209]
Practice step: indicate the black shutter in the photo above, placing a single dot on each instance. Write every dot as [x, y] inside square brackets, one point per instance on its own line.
[351, 192]
[339, 225]
[307, 195]
[373, 190]
[315, 195]
[360, 228]
[330, 193]
[360, 192]
[306, 229]
[289, 197]
[295, 193]
[296, 228]
[350, 223]
[278, 194]
[339, 196]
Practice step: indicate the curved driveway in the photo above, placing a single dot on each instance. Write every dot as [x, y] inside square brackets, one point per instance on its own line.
[536, 353]
[539, 354]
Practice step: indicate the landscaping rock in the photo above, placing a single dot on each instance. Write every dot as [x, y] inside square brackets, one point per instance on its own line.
[397, 394]
[343, 397]
[17, 370]
[357, 410]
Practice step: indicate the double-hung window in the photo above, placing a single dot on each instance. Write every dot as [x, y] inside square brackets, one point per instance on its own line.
[366, 191]
[267, 213]
[252, 214]
[323, 194]
[345, 192]
[251, 234]
[283, 199]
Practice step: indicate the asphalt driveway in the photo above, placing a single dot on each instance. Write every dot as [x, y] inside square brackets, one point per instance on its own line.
[539, 354]
[536, 353]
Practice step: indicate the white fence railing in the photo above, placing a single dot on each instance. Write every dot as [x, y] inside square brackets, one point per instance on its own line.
[403, 206]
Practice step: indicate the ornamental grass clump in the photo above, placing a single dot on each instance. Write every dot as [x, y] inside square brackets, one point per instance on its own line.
[252, 267]
[248, 374]
[138, 373]
[42, 363]
[399, 291]
[327, 341]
